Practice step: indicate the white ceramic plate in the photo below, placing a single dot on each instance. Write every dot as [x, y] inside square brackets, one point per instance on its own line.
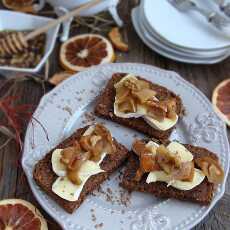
[188, 30]
[163, 44]
[11, 20]
[191, 52]
[166, 51]
[67, 108]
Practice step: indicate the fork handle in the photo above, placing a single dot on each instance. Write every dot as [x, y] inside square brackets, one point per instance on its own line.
[200, 10]
[219, 2]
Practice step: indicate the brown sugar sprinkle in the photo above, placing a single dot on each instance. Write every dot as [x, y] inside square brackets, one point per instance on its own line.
[68, 110]
[99, 225]
[109, 190]
[93, 217]
[120, 196]
[89, 116]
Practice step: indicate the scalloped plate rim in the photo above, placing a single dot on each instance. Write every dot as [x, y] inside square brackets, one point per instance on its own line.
[179, 78]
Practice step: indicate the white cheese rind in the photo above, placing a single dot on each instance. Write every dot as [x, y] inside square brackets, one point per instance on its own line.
[163, 125]
[58, 168]
[181, 185]
[181, 151]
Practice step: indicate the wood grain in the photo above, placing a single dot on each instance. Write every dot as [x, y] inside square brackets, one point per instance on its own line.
[205, 77]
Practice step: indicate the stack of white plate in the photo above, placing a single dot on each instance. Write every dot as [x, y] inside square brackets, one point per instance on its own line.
[185, 37]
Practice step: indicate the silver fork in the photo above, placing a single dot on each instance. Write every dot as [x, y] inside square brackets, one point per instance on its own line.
[224, 6]
[212, 17]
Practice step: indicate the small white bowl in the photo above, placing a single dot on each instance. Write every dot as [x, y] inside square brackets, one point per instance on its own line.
[10, 20]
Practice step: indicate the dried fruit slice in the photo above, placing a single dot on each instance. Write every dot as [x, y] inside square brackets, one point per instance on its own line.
[221, 100]
[19, 5]
[117, 41]
[84, 51]
[57, 78]
[20, 214]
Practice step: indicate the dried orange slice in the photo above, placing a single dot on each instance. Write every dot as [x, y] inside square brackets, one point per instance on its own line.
[57, 78]
[221, 100]
[117, 41]
[19, 5]
[84, 51]
[20, 214]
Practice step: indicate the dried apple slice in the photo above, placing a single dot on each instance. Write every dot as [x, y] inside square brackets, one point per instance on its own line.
[84, 51]
[20, 214]
[221, 100]
[117, 41]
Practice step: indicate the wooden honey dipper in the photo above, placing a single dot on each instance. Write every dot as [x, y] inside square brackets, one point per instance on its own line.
[17, 42]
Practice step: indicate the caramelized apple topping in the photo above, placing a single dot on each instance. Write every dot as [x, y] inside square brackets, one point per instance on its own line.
[74, 177]
[128, 106]
[211, 168]
[185, 172]
[144, 95]
[148, 163]
[139, 147]
[153, 158]
[171, 108]
[156, 109]
[132, 92]
[89, 147]
[147, 159]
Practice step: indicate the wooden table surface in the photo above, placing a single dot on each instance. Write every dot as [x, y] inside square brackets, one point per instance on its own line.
[13, 184]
